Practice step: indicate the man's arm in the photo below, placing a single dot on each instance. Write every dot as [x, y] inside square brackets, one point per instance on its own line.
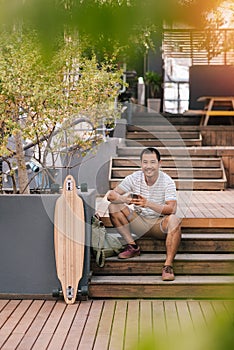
[118, 196]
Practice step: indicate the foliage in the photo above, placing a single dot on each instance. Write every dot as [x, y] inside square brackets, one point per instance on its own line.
[36, 96]
[215, 42]
[105, 22]
[154, 81]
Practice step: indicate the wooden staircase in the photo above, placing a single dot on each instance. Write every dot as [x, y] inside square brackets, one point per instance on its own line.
[155, 136]
[183, 158]
[203, 266]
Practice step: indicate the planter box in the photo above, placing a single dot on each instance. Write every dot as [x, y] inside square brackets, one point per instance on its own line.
[153, 104]
[27, 261]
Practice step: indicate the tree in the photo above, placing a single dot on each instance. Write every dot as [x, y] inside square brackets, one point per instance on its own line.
[104, 21]
[37, 96]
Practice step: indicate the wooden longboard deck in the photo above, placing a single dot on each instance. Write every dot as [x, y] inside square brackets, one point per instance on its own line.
[69, 239]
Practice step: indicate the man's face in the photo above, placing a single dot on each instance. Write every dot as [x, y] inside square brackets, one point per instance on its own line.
[150, 165]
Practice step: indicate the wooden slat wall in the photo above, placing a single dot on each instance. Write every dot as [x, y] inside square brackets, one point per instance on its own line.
[199, 45]
[221, 136]
[217, 135]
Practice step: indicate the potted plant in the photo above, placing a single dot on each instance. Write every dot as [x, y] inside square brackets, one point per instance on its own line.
[154, 82]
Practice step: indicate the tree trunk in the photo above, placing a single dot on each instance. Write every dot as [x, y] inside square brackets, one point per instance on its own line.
[22, 170]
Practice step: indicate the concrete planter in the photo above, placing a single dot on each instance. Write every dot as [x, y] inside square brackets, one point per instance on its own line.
[27, 261]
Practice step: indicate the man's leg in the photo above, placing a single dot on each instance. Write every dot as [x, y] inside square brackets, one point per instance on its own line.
[173, 226]
[120, 217]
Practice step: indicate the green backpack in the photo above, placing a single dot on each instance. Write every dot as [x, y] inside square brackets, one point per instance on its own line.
[104, 244]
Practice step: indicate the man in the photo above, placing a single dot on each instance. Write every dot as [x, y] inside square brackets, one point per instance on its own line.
[153, 210]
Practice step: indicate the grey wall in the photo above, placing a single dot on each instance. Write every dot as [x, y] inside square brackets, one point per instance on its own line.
[27, 261]
[93, 169]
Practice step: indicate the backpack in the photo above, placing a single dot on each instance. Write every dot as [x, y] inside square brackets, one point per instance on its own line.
[104, 244]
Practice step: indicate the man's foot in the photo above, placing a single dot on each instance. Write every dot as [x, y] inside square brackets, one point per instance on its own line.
[167, 273]
[129, 252]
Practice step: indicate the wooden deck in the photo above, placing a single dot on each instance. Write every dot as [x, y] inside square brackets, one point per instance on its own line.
[197, 208]
[115, 325]
[129, 324]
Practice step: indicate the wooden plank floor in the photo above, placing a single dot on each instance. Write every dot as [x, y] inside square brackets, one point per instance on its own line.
[212, 208]
[113, 325]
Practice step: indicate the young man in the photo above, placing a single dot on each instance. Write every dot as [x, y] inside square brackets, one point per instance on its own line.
[154, 207]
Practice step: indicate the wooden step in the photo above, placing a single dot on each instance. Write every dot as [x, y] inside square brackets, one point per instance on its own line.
[184, 264]
[193, 242]
[165, 128]
[148, 119]
[153, 142]
[170, 151]
[153, 287]
[181, 173]
[189, 184]
[162, 134]
[168, 162]
[193, 222]
[201, 241]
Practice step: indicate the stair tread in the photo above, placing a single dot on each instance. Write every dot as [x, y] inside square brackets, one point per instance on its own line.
[180, 256]
[135, 168]
[153, 137]
[202, 236]
[169, 168]
[172, 150]
[157, 280]
[181, 180]
[194, 236]
[169, 158]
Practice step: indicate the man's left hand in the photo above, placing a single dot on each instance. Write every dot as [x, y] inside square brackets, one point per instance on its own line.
[140, 201]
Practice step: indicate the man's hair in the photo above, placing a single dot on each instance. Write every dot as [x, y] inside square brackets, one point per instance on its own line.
[150, 150]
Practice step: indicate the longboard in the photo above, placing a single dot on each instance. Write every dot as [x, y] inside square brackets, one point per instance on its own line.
[69, 239]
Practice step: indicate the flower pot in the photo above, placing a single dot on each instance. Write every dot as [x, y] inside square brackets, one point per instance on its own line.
[153, 104]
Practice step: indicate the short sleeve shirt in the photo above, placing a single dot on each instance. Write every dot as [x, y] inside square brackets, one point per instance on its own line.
[162, 190]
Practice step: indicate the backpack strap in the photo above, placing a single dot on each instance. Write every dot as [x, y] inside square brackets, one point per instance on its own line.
[100, 258]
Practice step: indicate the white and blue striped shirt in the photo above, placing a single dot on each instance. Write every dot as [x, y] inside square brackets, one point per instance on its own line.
[162, 190]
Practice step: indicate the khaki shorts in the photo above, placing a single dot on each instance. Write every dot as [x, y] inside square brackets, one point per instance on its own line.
[141, 225]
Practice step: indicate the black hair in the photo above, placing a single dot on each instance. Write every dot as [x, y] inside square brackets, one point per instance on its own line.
[149, 150]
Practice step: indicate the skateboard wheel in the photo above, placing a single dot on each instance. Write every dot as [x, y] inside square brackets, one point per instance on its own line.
[57, 293]
[84, 290]
[84, 187]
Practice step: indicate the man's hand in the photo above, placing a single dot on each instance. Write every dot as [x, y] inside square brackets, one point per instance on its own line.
[165, 209]
[139, 201]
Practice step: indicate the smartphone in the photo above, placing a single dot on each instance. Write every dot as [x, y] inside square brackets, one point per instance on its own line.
[134, 196]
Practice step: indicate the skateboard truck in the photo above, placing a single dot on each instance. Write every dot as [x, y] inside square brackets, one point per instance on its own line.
[69, 185]
[82, 294]
[70, 292]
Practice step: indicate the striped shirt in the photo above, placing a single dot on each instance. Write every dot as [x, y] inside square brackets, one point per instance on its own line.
[162, 190]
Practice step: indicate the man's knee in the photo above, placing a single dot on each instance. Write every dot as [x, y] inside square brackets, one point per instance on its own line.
[118, 209]
[175, 220]
[112, 208]
[173, 223]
